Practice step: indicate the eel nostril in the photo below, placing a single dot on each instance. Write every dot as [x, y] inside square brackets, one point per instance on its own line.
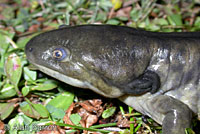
[30, 49]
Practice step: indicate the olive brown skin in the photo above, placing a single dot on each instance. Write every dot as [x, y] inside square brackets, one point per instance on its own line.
[155, 73]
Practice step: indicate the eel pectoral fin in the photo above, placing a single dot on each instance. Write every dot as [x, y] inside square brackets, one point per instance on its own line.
[148, 82]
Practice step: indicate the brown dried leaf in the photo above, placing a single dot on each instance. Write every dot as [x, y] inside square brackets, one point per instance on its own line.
[87, 106]
[104, 121]
[125, 12]
[83, 113]
[1, 17]
[93, 106]
[41, 19]
[66, 118]
[88, 110]
[91, 119]
[83, 124]
[128, 3]
[34, 28]
[96, 102]
[2, 130]
[122, 121]
[26, 3]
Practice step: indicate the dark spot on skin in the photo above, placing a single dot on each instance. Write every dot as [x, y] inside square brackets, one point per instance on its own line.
[188, 76]
[198, 64]
[177, 68]
[198, 76]
[30, 49]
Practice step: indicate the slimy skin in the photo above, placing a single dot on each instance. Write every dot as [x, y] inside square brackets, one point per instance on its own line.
[155, 73]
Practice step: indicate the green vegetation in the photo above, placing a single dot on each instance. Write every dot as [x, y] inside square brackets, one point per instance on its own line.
[29, 98]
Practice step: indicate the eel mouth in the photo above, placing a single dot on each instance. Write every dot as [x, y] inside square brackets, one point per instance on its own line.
[69, 80]
[64, 78]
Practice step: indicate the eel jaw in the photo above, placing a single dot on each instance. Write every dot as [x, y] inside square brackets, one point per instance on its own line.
[69, 80]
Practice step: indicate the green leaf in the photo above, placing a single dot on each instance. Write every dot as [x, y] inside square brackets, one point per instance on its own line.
[161, 21]
[4, 44]
[189, 131]
[197, 22]
[6, 109]
[8, 13]
[47, 85]
[122, 18]
[28, 110]
[138, 127]
[29, 75]
[20, 28]
[7, 91]
[135, 15]
[42, 80]
[19, 120]
[130, 109]
[153, 27]
[175, 19]
[101, 16]
[22, 42]
[105, 4]
[167, 30]
[27, 120]
[36, 111]
[142, 25]
[63, 100]
[13, 69]
[113, 22]
[23, 16]
[108, 112]
[41, 109]
[25, 90]
[56, 113]
[75, 118]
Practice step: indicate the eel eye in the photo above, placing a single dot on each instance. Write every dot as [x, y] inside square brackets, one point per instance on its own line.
[59, 54]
